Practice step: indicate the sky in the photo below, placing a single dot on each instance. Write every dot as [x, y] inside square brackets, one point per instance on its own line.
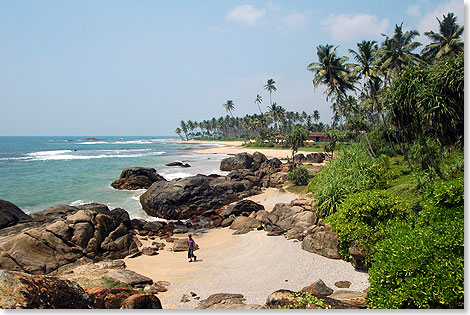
[117, 68]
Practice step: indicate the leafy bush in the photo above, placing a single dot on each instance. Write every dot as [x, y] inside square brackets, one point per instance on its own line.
[366, 218]
[300, 176]
[307, 301]
[418, 154]
[421, 265]
[353, 170]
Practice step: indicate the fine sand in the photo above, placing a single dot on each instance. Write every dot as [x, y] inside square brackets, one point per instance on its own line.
[235, 147]
[252, 264]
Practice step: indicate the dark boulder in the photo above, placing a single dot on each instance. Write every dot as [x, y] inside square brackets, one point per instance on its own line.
[183, 198]
[142, 301]
[23, 291]
[318, 288]
[109, 298]
[316, 157]
[226, 301]
[177, 163]
[137, 178]
[322, 241]
[10, 214]
[239, 161]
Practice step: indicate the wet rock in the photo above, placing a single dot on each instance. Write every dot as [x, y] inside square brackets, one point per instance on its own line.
[137, 178]
[178, 163]
[10, 214]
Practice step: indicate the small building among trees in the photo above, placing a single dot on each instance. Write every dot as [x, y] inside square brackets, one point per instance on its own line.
[318, 136]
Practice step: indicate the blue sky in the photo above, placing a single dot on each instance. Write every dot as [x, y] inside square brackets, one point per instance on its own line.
[97, 68]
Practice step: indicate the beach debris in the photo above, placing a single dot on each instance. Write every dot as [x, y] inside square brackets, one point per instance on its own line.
[184, 298]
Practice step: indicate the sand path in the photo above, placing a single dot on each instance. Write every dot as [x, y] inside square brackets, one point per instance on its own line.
[252, 264]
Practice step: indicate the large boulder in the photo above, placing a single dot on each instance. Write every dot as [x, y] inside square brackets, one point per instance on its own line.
[241, 223]
[183, 198]
[318, 288]
[322, 241]
[290, 299]
[10, 214]
[316, 157]
[88, 232]
[239, 161]
[226, 301]
[141, 301]
[137, 178]
[23, 291]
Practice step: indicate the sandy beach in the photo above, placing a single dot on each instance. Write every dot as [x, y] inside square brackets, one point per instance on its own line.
[252, 264]
[235, 147]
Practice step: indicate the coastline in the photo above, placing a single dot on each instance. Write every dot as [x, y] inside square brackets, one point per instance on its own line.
[235, 147]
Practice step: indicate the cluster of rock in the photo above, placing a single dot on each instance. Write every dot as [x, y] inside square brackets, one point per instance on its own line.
[339, 299]
[178, 163]
[62, 235]
[137, 178]
[195, 195]
[315, 157]
[20, 290]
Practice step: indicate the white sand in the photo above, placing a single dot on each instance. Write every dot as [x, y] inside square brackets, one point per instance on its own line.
[252, 264]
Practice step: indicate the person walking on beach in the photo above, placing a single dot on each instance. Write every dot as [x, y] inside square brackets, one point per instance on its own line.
[191, 247]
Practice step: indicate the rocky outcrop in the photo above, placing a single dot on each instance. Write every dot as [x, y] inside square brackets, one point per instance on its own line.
[109, 298]
[23, 291]
[10, 214]
[195, 195]
[62, 235]
[318, 288]
[130, 278]
[137, 178]
[241, 208]
[245, 223]
[226, 301]
[315, 157]
[178, 163]
[322, 241]
[183, 198]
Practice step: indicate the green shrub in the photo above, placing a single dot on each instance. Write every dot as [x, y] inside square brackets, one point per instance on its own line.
[421, 265]
[367, 218]
[300, 176]
[307, 301]
[353, 170]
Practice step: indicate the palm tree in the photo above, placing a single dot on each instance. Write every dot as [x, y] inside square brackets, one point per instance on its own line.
[270, 87]
[448, 41]
[178, 131]
[397, 51]
[229, 107]
[333, 71]
[277, 113]
[316, 115]
[258, 101]
[184, 127]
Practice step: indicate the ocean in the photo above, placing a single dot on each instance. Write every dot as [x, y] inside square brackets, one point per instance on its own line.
[38, 172]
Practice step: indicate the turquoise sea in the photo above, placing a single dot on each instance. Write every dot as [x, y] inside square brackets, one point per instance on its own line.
[38, 172]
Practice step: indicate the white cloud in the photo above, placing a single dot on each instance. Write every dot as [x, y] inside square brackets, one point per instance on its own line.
[292, 22]
[414, 10]
[246, 14]
[429, 21]
[273, 6]
[347, 27]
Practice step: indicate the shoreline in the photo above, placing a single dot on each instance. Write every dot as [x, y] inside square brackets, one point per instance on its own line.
[252, 264]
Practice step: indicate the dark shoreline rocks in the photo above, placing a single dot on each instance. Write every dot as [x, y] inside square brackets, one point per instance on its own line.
[178, 163]
[137, 178]
[10, 214]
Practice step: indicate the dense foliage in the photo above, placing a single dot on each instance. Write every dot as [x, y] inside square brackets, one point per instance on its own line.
[421, 264]
[353, 170]
[299, 176]
[366, 218]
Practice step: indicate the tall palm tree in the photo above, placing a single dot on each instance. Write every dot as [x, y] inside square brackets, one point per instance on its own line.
[229, 107]
[277, 113]
[271, 88]
[178, 132]
[397, 51]
[258, 101]
[332, 71]
[316, 115]
[184, 127]
[447, 41]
